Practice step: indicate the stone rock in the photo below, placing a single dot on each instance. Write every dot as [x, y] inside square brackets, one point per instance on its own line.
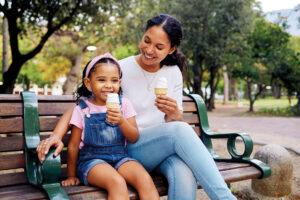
[279, 184]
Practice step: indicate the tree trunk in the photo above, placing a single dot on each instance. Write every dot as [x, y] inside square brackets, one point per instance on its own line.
[298, 103]
[5, 46]
[249, 91]
[226, 85]
[213, 87]
[276, 89]
[197, 80]
[235, 89]
[231, 89]
[72, 79]
[263, 94]
[9, 77]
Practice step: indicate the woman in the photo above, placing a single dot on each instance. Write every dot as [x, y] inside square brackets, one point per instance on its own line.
[165, 143]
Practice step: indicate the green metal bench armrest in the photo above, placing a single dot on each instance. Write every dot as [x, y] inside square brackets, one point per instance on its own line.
[231, 139]
[44, 175]
[207, 135]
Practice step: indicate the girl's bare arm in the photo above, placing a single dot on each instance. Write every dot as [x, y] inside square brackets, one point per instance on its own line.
[73, 148]
[55, 138]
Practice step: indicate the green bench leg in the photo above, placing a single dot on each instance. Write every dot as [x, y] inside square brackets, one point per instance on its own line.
[55, 191]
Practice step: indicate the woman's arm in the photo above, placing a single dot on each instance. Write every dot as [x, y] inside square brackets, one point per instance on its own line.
[55, 138]
[127, 126]
[73, 148]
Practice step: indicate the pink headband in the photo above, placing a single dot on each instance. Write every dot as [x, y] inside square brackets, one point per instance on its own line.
[96, 59]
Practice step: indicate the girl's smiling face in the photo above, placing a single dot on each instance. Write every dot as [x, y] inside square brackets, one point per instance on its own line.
[103, 79]
[155, 46]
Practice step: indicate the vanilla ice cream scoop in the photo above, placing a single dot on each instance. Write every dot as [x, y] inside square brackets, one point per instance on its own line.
[161, 86]
[112, 101]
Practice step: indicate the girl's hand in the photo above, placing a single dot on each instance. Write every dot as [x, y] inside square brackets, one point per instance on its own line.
[44, 146]
[114, 116]
[72, 180]
[168, 106]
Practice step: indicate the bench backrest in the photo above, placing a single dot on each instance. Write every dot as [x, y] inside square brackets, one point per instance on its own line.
[51, 107]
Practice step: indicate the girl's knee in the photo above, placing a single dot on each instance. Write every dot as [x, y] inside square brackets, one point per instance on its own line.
[117, 183]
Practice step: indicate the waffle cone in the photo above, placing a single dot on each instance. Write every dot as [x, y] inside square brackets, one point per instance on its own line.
[112, 105]
[161, 91]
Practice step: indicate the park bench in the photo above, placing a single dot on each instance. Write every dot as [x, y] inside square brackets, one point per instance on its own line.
[27, 118]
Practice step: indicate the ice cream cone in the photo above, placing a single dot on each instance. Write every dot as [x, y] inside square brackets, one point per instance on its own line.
[161, 87]
[161, 91]
[112, 101]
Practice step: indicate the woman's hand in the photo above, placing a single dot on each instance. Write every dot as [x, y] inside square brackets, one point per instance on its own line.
[168, 106]
[114, 116]
[44, 146]
[70, 181]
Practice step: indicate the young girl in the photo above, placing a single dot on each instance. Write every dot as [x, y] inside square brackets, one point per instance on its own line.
[97, 141]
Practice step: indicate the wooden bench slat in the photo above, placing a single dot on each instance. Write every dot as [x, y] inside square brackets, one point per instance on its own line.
[26, 192]
[17, 143]
[197, 130]
[12, 161]
[189, 107]
[11, 125]
[13, 178]
[222, 166]
[49, 108]
[11, 143]
[11, 109]
[15, 125]
[52, 98]
[45, 108]
[191, 118]
[240, 174]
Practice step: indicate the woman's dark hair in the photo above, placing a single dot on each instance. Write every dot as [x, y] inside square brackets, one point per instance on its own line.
[82, 90]
[174, 30]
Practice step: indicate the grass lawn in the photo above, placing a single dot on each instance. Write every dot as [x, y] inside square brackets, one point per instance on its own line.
[270, 106]
[266, 102]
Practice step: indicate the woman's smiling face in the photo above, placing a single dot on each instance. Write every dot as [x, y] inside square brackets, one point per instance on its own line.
[155, 46]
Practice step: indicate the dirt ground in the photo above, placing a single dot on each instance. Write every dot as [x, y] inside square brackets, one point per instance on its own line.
[242, 190]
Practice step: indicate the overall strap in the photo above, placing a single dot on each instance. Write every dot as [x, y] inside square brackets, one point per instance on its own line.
[120, 99]
[82, 104]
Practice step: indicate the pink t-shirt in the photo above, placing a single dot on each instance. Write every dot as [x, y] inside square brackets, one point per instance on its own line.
[77, 118]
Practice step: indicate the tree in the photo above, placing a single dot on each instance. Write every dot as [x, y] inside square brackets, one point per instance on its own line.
[5, 46]
[44, 17]
[288, 71]
[209, 27]
[266, 44]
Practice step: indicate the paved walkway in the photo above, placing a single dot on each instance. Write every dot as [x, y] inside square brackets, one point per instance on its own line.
[277, 130]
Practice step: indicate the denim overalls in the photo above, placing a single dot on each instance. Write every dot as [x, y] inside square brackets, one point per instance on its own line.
[103, 141]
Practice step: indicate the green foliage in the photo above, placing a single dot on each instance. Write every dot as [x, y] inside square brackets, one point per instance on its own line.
[129, 28]
[294, 43]
[124, 51]
[286, 111]
[43, 18]
[30, 73]
[49, 64]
